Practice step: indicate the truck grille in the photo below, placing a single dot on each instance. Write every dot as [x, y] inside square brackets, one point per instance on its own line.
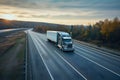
[69, 46]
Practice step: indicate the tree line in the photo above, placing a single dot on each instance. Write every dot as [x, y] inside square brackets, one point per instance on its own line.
[102, 33]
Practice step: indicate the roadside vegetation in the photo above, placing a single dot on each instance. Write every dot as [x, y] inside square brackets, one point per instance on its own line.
[103, 33]
[12, 54]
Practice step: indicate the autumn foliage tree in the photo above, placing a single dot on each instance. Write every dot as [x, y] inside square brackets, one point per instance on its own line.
[105, 32]
[111, 30]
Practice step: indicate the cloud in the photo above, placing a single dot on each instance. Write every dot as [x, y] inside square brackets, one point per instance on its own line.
[61, 9]
[63, 4]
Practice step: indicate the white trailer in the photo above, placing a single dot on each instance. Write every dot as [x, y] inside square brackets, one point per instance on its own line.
[52, 36]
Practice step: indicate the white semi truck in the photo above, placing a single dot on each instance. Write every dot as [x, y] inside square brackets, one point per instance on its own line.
[62, 39]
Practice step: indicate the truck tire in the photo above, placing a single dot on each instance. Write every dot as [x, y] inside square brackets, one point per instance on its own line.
[62, 49]
[73, 50]
[48, 40]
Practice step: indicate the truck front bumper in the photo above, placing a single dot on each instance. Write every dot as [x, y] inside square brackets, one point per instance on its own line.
[68, 49]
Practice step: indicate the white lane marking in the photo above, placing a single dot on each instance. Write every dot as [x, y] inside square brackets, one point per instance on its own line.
[36, 43]
[70, 65]
[106, 53]
[97, 64]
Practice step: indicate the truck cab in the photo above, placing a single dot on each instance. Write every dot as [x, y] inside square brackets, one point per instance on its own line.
[65, 41]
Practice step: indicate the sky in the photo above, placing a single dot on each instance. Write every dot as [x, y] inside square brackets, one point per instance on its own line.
[60, 11]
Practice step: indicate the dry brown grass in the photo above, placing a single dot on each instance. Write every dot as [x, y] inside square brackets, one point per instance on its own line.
[14, 55]
[9, 41]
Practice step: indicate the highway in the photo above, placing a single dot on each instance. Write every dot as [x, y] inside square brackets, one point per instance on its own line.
[47, 62]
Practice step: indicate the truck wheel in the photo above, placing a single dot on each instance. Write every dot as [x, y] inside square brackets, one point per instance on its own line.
[62, 49]
[48, 40]
[73, 50]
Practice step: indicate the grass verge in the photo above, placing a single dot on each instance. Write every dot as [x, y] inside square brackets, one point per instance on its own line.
[12, 57]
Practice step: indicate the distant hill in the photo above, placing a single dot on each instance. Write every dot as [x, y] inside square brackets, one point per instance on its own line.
[5, 24]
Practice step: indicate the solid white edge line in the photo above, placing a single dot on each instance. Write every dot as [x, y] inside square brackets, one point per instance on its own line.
[95, 47]
[112, 56]
[98, 64]
[70, 65]
[43, 60]
[26, 58]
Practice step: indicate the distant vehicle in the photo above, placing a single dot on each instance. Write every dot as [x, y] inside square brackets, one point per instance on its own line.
[62, 39]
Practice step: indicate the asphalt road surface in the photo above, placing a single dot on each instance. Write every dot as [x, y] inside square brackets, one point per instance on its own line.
[47, 62]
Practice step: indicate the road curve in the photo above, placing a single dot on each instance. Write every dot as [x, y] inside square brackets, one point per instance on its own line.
[47, 62]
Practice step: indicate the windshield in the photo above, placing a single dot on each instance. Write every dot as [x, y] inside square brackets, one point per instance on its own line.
[65, 35]
[67, 40]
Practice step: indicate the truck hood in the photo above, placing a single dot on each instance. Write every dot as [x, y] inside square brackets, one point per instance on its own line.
[66, 37]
